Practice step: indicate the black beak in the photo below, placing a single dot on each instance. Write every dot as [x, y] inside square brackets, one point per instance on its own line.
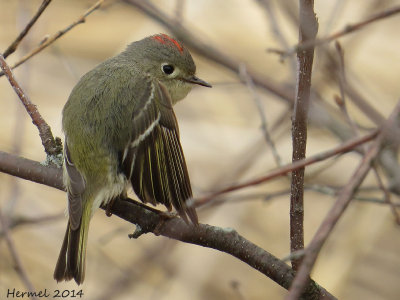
[195, 80]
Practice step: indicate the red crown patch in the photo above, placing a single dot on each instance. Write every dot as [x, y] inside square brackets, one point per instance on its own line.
[164, 39]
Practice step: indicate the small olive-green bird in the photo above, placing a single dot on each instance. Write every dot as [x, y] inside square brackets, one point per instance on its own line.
[121, 131]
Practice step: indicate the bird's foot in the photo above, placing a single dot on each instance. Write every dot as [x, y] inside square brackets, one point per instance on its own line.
[109, 206]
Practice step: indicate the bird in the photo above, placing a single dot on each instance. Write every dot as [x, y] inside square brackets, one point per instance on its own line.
[121, 132]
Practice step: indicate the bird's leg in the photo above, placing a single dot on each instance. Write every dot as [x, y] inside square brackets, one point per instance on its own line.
[110, 203]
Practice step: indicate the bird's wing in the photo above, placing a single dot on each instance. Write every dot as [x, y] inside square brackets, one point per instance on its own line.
[154, 161]
[75, 189]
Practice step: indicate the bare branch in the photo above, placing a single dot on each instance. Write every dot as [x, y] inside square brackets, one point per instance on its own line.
[151, 220]
[345, 147]
[344, 198]
[31, 170]
[49, 40]
[48, 141]
[307, 32]
[321, 189]
[225, 240]
[276, 29]
[343, 107]
[264, 124]
[386, 194]
[348, 29]
[11, 49]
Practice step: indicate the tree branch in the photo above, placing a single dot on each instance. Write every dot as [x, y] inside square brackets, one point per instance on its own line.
[11, 49]
[49, 143]
[346, 30]
[307, 32]
[148, 219]
[48, 41]
[31, 170]
[248, 81]
[342, 148]
[343, 200]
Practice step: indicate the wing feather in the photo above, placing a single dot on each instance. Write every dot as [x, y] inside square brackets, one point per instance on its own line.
[154, 160]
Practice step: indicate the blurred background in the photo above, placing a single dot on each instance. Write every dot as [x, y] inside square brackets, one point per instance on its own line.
[223, 143]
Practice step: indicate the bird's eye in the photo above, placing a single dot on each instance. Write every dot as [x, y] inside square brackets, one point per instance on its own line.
[168, 69]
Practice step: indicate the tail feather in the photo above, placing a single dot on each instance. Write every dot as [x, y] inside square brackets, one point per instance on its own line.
[71, 261]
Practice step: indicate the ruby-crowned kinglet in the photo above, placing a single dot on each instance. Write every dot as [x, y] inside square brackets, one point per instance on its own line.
[120, 131]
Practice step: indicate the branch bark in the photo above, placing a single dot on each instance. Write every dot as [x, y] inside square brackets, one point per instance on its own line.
[308, 31]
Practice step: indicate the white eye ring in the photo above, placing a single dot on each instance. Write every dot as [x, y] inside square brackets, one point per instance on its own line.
[167, 68]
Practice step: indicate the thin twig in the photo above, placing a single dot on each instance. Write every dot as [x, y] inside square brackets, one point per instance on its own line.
[247, 197]
[354, 96]
[19, 268]
[11, 49]
[271, 17]
[307, 31]
[321, 189]
[49, 40]
[386, 194]
[346, 30]
[344, 198]
[48, 141]
[264, 124]
[342, 104]
[276, 30]
[342, 148]
[341, 101]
